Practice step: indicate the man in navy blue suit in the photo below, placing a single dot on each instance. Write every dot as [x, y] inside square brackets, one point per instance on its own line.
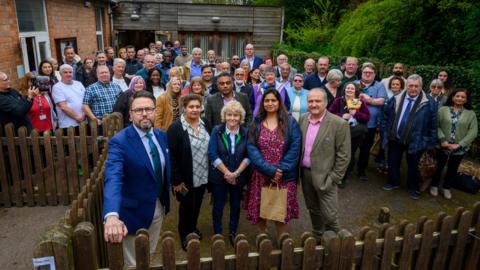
[250, 56]
[137, 179]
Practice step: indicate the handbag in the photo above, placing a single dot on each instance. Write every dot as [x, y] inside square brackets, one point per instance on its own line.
[466, 183]
[427, 167]
[273, 203]
[358, 130]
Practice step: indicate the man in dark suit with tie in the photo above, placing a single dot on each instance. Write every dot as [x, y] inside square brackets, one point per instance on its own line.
[137, 179]
[409, 125]
[215, 103]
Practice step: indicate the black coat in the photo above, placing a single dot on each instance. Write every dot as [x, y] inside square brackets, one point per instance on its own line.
[14, 109]
[181, 153]
[121, 106]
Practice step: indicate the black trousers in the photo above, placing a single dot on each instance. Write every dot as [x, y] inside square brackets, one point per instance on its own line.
[452, 162]
[365, 146]
[355, 143]
[189, 209]
[395, 156]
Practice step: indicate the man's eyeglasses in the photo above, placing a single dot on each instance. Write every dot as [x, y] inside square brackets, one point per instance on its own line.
[139, 111]
[225, 83]
[298, 80]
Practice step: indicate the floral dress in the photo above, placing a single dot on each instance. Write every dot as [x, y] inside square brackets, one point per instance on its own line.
[272, 147]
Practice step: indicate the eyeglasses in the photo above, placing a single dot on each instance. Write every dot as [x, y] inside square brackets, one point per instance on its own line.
[368, 72]
[139, 111]
[225, 83]
[298, 80]
[235, 58]
[436, 86]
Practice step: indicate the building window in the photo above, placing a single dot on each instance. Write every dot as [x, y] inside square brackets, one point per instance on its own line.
[34, 38]
[99, 27]
[30, 15]
[224, 44]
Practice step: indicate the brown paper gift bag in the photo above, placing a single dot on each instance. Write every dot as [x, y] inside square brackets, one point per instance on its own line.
[273, 203]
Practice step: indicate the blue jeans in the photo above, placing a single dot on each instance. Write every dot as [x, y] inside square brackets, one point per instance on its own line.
[219, 192]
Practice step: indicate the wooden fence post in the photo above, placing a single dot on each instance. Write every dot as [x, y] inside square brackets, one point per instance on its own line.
[369, 250]
[56, 242]
[332, 250]
[425, 251]
[388, 248]
[444, 241]
[84, 246]
[286, 245]
[472, 259]
[26, 162]
[115, 256]
[142, 250]
[347, 255]
[456, 261]
[5, 186]
[218, 252]
[193, 252]
[241, 252]
[168, 252]
[264, 247]
[406, 255]
[309, 261]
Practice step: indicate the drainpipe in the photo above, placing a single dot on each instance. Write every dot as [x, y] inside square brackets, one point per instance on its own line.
[110, 15]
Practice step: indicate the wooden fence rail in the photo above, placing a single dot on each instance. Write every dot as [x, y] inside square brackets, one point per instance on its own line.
[47, 169]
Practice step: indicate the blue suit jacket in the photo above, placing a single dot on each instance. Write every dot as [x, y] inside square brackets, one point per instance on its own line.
[130, 188]
[257, 61]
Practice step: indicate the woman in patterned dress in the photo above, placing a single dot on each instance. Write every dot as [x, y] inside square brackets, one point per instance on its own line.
[273, 148]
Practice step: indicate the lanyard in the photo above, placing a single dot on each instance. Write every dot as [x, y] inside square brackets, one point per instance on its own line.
[40, 105]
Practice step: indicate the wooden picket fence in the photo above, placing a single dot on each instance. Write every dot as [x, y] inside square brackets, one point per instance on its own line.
[46, 169]
[442, 242]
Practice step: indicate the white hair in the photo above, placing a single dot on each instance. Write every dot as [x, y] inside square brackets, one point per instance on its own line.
[118, 60]
[65, 66]
[196, 49]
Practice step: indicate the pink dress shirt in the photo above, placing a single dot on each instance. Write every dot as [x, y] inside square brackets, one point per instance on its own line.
[312, 130]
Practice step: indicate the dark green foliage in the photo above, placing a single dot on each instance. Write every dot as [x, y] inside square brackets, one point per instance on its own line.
[410, 31]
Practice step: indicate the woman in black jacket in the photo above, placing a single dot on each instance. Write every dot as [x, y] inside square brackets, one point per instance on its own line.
[188, 139]
[227, 152]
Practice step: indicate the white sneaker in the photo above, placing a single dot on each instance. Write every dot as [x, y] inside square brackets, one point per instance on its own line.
[434, 191]
[447, 194]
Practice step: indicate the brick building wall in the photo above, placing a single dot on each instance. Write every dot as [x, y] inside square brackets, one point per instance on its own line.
[68, 19]
[11, 55]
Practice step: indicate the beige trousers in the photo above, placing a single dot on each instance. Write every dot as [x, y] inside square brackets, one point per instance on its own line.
[128, 242]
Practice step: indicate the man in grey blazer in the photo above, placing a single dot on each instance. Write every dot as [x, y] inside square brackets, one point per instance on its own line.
[225, 94]
[323, 162]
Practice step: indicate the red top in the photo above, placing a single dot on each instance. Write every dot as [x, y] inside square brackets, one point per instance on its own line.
[40, 114]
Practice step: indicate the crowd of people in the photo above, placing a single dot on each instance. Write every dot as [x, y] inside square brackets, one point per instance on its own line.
[194, 125]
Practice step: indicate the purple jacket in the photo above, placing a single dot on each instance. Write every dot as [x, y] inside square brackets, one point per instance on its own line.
[338, 108]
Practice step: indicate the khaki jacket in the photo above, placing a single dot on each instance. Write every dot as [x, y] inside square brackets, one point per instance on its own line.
[331, 151]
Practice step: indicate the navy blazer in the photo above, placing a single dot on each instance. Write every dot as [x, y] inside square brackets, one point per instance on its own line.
[130, 186]
[257, 61]
[218, 149]
[289, 162]
[312, 81]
